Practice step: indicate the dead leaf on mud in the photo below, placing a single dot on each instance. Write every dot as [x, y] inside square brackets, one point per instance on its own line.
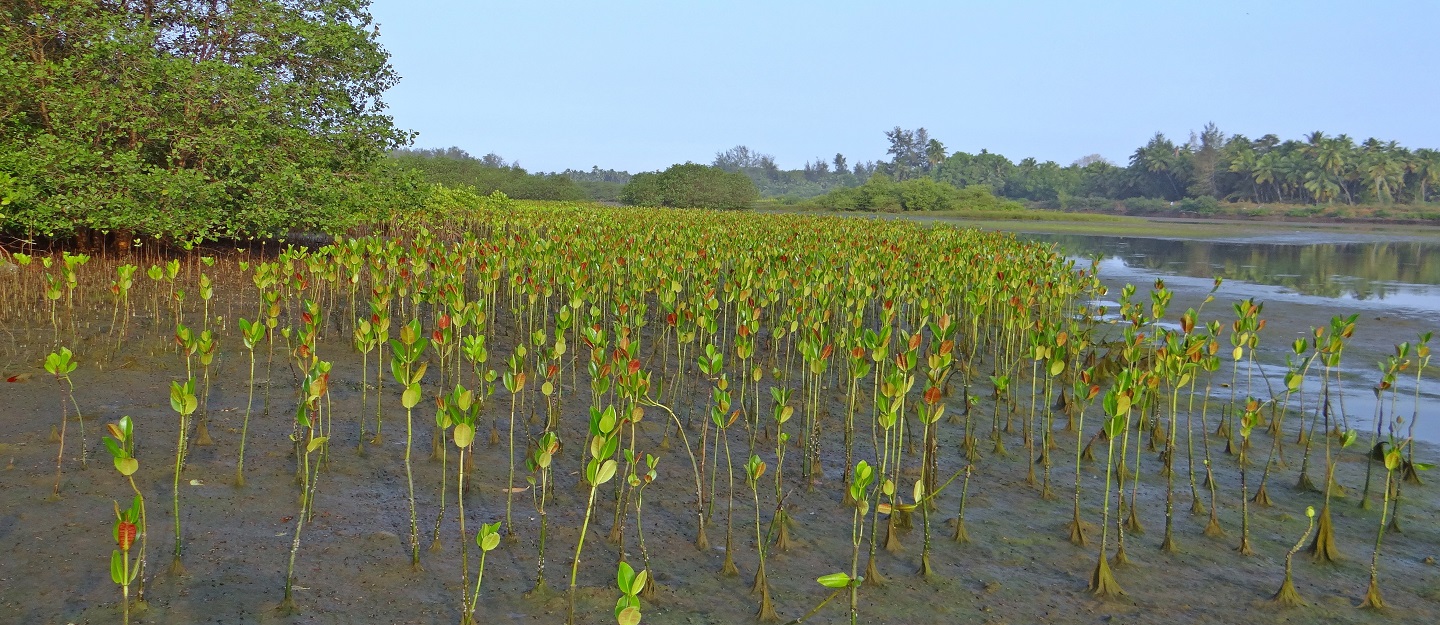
[19, 377]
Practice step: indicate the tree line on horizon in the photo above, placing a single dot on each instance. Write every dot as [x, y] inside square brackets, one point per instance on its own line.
[1209, 168]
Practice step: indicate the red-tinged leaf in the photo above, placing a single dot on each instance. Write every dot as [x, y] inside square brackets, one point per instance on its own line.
[126, 533]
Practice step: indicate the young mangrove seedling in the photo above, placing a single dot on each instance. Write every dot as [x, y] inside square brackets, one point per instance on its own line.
[754, 468]
[1393, 459]
[631, 584]
[640, 482]
[251, 334]
[183, 402]
[406, 351]
[121, 445]
[1287, 595]
[488, 538]
[61, 364]
[604, 442]
[540, 462]
[308, 419]
[122, 572]
[514, 383]
[1117, 409]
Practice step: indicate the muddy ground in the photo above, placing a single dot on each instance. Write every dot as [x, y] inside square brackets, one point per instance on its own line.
[353, 564]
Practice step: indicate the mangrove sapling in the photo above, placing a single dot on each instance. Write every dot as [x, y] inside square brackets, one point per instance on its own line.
[1117, 408]
[514, 383]
[962, 535]
[1294, 379]
[839, 582]
[1422, 360]
[365, 341]
[1179, 371]
[631, 584]
[405, 352]
[380, 324]
[901, 380]
[701, 542]
[442, 340]
[539, 462]
[122, 453]
[723, 422]
[205, 348]
[886, 410]
[459, 407]
[488, 538]
[1393, 458]
[308, 416]
[1084, 392]
[639, 482]
[1248, 420]
[604, 441]
[754, 468]
[127, 525]
[780, 522]
[931, 410]
[860, 493]
[184, 403]
[444, 420]
[251, 334]
[1287, 595]
[124, 280]
[61, 364]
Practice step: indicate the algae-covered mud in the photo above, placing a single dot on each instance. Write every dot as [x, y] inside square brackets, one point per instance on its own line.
[945, 413]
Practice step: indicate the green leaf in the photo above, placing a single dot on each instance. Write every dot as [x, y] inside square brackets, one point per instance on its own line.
[628, 616]
[315, 443]
[834, 580]
[624, 574]
[127, 466]
[411, 397]
[464, 434]
[1392, 460]
[638, 583]
[117, 567]
[606, 472]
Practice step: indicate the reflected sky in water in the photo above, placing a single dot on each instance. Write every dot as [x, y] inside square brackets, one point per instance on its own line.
[1324, 273]
[1366, 274]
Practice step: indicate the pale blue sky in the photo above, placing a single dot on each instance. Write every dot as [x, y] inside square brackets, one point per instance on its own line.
[642, 85]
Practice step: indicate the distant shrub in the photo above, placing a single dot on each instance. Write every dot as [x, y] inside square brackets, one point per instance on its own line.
[1204, 205]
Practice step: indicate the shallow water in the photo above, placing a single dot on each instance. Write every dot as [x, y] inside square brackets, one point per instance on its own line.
[1304, 279]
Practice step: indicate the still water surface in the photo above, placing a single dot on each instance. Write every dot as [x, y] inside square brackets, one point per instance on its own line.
[1393, 283]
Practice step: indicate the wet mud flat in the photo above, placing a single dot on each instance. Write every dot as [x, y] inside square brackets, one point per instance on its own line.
[353, 564]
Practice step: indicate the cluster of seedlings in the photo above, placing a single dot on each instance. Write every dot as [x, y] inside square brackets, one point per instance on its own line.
[609, 335]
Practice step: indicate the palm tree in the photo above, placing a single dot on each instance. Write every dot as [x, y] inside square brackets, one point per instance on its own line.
[1240, 158]
[1427, 172]
[934, 154]
[1322, 185]
[1266, 170]
[1383, 172]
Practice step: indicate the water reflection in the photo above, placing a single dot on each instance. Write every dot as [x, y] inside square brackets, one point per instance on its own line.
[1393, 271]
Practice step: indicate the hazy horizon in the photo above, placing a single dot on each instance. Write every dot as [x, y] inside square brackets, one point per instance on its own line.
[642, 85]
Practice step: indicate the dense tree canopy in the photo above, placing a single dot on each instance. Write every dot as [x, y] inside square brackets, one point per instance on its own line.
[691, 186]
[1316, 170]
[454, 167]
[192, 119]
[881, 193]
